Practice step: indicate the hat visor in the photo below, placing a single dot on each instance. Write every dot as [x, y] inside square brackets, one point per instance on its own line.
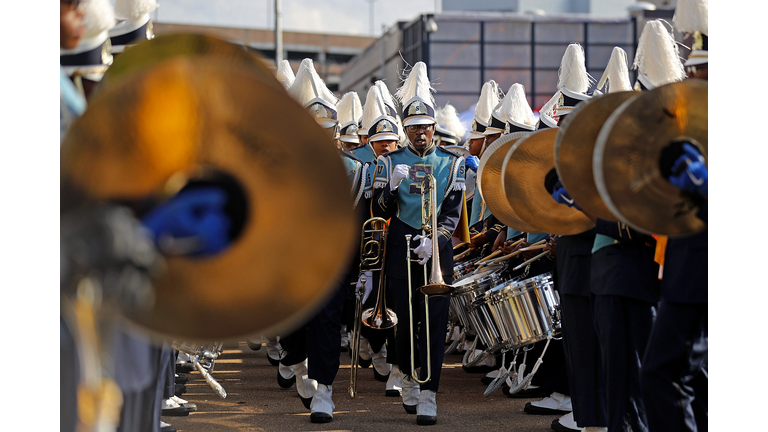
[350, 139]
[419, 121]
[325, 123]
[384, 137]
[491, 131]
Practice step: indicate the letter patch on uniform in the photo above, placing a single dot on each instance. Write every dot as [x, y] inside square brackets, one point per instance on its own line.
[416, 175]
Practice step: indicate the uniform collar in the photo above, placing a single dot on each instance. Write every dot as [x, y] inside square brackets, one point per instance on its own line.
[427, 151]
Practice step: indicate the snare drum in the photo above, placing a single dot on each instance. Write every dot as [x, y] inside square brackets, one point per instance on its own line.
[481, 316]
[463, 269]
[524, 312]
[470, 287]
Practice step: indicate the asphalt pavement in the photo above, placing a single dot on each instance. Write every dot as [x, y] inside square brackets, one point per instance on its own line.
[255, 402]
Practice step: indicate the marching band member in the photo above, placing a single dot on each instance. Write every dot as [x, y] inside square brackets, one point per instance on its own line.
[449, 129]
[311, 92]
[581, 342]
[398, 196]
[374, 108]
[350, 114]
[674, 372]
[489, 99]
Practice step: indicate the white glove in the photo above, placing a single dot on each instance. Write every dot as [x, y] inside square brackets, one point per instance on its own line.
[400, 172]
[423, 250]
[367, 287]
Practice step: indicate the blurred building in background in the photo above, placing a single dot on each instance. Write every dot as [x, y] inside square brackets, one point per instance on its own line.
[463, 49]
[330, 53]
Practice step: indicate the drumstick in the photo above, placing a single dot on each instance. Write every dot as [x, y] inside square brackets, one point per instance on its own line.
[460, 245]
[489, 257]
[539, 242]
[462, 255]
[531, 260]
[513, 254]
[537, 247]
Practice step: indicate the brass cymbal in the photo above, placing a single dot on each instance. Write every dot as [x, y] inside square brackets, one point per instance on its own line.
[149, 53]
[490, 178]
[192, 114]
[629, 150]
[575, 145]
[526, 166]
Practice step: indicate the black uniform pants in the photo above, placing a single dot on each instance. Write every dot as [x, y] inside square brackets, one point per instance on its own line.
[583, 360]
[623, 326]
[674, 373]
[438, 328]
[324, 336]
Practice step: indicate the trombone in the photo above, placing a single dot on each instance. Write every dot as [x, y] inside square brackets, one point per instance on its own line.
[373, 248]
[436, 284]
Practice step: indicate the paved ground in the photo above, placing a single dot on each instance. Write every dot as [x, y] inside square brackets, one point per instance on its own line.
[256, 403]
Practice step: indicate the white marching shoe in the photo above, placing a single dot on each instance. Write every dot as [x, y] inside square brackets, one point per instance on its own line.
[426, 413]
[254, 343]
[410, 394]
[364, 353]
[322, 405]
[566, 423]
[381, 369]
[556, 403]
[275, 352]
[285, 376]
[395, 382]
[304, 385]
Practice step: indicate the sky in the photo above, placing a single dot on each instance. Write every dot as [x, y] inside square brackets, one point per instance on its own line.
[322, 16]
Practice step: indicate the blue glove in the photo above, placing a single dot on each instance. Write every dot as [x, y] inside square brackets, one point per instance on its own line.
[472, 162]
[561, 195]
[692, 174]
[191, 223]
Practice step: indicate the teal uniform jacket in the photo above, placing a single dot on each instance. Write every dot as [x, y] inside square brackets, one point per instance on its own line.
[403, 205]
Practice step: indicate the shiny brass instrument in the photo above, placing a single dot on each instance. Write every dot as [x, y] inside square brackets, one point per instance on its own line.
[436, 285]
[373, 248]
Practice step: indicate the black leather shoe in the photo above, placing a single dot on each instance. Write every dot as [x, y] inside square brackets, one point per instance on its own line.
[180, 411]
[181, 378]
[273, 362]
[167, 428]
[306, 401]
[320, 417]
[392, 393]
[533, 409]
[285, 382]
[410, 409]
[425, 420]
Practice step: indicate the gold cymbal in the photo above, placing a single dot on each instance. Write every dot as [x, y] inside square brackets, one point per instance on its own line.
[629, 150]
[149, 53]
[575, 146]
[526, 166]
[192, 114]
[490, 178]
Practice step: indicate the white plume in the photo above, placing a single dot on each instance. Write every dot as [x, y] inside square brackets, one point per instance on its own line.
[657, 56]
[416, 84]
[373, 107]
[386, 96]
[308, 85]
[519, 109]
[448, 118]
[489, 99]
[616, 73]
[692, 16]
[349, 108]
[573, 70]
[134, 9]
[285, 74]
[99, 17]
